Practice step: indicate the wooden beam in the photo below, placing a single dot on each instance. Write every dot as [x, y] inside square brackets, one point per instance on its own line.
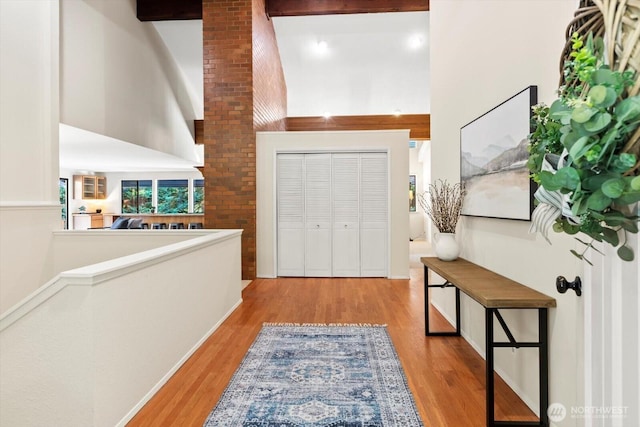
[338, 7]
[418, 124]
[164, 10]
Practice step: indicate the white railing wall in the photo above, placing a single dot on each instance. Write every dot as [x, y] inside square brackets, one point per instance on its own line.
[93, 345]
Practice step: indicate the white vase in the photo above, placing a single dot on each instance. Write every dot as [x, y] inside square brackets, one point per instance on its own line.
[447, 249]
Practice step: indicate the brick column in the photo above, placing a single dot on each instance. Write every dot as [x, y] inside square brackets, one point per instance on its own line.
[229, 114]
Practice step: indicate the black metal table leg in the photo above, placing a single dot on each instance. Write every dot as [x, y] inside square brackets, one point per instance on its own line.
[427, 304]
[490, 386]
[543, 359]
[426, 301]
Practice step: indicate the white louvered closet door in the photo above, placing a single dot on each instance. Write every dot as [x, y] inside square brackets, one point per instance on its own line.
[346, 216]
[290, 206]
[373, 214]
[317, 251]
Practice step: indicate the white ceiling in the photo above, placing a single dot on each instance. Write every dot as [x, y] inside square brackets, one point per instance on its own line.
[370, 64]
[81, 150]
[368, 67]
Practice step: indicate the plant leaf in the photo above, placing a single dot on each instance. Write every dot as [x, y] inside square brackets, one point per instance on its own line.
[567, 177]
[635, 183]
[625, 253]
[594, 182]
[613, 188]
[628, 198]
[628, 109]
[598, 201]
[603, 76]
[630, 226]
[579, 148]
[610, 236]
[602, 96]
[598, 122]
[548, 181]
[582, 114]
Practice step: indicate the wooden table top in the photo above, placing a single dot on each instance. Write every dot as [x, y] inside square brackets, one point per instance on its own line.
[486, 287]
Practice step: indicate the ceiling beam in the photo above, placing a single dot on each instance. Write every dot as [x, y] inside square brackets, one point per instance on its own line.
[419, 125]
[337, 7]
[165, 10]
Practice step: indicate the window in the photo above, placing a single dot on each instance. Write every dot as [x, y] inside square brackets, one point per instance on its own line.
[137, 196]
[173, 196]
[64, 201]
[198, 195]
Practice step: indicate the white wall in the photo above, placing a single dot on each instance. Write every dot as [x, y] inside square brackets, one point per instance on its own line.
[397, 144]
[481, 54]
[95, 344]
[119, 79]
[28, 145]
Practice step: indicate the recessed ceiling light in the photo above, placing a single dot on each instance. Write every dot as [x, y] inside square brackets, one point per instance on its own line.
[326, 115]
[322, 46]
[416, 41]
[397, 113]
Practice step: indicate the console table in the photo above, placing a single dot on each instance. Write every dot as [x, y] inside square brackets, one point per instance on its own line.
[494, 292]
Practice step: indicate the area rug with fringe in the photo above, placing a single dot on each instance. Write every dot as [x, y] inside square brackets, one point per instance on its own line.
[318, 375]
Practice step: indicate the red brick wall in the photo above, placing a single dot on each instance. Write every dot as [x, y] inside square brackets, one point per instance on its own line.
[236, 72]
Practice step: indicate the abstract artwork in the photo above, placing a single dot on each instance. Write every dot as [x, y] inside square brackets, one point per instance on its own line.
[493, 157]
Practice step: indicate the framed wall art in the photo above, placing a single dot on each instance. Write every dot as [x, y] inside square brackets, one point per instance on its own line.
[493, 157]
[412, 193]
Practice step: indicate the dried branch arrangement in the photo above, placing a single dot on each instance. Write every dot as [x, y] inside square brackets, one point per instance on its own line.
[443, 204]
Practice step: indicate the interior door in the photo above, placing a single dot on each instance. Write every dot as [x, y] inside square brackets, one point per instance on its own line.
[373, 214]
[346, 217]
[290, 214]
[317, 251]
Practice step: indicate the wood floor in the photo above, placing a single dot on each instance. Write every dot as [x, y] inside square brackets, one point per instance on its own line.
[445, 374]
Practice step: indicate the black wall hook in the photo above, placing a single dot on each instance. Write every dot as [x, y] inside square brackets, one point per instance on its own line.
[562, 285]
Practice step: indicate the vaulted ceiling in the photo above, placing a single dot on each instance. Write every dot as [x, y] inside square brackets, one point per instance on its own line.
[336, 58]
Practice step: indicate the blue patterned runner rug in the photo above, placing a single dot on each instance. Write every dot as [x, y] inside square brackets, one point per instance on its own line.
[318, 375]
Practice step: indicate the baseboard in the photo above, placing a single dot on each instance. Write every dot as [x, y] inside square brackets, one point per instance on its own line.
[174, 369]
[508, 380]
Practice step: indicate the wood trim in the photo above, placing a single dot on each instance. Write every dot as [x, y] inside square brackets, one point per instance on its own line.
[164, 10]
[418, 124]
[338, 7]
[198, 130]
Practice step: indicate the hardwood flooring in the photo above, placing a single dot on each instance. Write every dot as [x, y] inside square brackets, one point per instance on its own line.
[445, 374]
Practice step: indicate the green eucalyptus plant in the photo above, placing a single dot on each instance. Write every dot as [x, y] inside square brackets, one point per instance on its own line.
[584, 134]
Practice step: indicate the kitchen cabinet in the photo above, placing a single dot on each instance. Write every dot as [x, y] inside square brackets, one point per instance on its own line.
[90, 187]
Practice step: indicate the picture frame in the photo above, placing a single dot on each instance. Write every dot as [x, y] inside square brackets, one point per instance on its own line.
[493, 160]
[412, 193]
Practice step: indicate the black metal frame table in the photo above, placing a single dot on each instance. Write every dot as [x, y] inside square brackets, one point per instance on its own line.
[515, 296]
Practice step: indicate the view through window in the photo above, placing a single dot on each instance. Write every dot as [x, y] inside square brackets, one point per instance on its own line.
[137, 196]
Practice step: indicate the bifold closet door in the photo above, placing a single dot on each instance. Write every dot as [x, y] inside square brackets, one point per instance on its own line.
[317, 180]
[373, 214]
[290, 214]
[346, 221]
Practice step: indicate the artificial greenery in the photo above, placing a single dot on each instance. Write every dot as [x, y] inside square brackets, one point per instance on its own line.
[587, 129]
